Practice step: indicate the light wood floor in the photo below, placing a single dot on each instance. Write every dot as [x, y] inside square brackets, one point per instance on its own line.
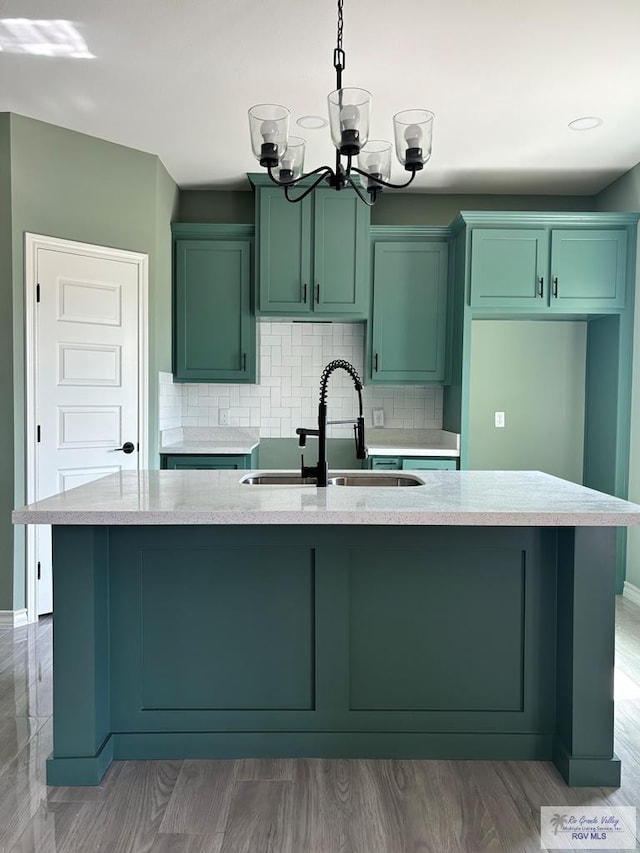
[293, 806]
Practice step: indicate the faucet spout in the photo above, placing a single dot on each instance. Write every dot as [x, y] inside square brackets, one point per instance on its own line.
[321, 471]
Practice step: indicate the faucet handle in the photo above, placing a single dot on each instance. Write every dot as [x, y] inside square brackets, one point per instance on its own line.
[358, 431]
[302, 439]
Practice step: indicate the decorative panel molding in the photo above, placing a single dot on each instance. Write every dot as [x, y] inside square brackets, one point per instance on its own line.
[407, 653]
[89, 426]
[89, 302]
[89, 364]
[69, 478]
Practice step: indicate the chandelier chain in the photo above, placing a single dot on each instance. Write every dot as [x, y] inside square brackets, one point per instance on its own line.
[340, 25]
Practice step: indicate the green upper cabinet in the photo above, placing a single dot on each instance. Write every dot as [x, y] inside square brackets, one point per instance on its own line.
[409, 322]
[508, 267]
[284, 254]
[588, 269]
[564, 270]
[214, 328]
[313, 255]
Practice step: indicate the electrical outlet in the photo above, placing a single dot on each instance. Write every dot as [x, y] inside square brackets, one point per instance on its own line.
[223, 417]
[378, 417]
[499, 419]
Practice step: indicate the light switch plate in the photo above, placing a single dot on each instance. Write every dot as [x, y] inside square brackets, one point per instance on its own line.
[223, 417]
[499, 419]
[378, 417]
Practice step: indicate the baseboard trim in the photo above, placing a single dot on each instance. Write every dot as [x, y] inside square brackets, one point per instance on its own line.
[13, 618]
[631, 592]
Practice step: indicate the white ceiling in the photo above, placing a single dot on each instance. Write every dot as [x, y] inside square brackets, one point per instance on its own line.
[504, 78]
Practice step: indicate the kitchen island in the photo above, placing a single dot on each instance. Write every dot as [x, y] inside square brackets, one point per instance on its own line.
[468, 617]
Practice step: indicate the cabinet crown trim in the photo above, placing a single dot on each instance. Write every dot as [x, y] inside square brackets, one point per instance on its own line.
[506, 219]
[212, 230]
[407, 232]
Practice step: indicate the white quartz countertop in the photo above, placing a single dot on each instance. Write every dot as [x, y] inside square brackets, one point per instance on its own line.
[209, 440]
[510, 498]
[418, 442]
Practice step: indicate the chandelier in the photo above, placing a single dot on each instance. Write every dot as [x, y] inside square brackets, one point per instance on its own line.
[349, 109]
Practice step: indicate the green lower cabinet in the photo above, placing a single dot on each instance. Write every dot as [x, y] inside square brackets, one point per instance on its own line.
[214, 326]
[409, 321]
[412, 463]
[429, 464]
[219, 462]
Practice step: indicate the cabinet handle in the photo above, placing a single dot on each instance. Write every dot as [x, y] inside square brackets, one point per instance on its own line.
[317, 294]
[244, 362]
[375, 362]
[304, 293]
[555, 286]
[541, 287]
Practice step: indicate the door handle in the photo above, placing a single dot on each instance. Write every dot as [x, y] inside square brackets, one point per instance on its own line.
[127, 447]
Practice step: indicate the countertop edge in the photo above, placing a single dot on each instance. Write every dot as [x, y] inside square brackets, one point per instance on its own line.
[332, 517]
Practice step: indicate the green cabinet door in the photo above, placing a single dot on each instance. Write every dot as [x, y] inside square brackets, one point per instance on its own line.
[428, 463]
[341, 232]
[509, 268]
[284, 254]
[409, 312]
[312, 255]
[588, 269]
[412, 463]
[214, 330]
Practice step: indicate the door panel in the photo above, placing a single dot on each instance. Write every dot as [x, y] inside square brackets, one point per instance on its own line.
[588, 269]
[340, 268]
[409, 312]
[284, 247]
[507, 266]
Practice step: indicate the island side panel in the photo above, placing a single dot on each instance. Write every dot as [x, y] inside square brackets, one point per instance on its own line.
[81, 690]
[583, 750]
[461, 614]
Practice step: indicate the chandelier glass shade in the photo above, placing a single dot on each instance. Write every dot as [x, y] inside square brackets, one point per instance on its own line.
[349, 121]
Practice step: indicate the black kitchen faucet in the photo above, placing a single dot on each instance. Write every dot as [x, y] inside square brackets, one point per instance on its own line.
[321, 470]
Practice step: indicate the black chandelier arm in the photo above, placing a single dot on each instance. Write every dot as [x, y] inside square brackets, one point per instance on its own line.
[381, 182]
[325, 173]
[358, 193]
[293, 182]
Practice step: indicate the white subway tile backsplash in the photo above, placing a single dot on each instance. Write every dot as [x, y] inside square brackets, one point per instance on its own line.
[291, 358]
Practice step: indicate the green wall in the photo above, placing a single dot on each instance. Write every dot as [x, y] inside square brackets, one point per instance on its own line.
[217, 206]
[6, 371]
[440, 209]
[624, 196]
[393, 208]
[535, 373]
[77, 187]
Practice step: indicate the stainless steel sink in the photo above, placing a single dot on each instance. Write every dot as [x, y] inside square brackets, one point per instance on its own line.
[277, 480]
[376, 480]
[372, 479]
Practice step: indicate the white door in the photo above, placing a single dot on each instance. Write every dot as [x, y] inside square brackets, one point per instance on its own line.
[87, 388]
